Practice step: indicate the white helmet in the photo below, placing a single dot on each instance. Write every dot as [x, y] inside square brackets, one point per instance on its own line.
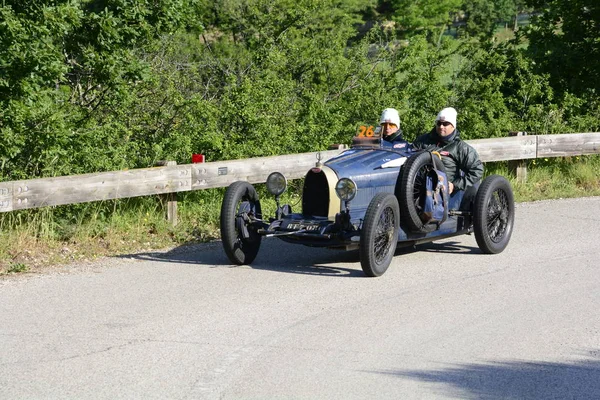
[391, 116]
[447, 114]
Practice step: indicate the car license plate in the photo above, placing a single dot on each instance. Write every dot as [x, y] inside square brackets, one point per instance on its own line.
[300, 226]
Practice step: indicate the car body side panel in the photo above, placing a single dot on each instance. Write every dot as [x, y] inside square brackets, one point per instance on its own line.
[383, 180]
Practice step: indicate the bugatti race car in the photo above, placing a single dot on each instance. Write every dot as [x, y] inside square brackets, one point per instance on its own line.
[372, 197]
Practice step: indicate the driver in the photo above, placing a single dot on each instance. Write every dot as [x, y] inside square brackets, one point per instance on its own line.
[462, 163]
[390, 128]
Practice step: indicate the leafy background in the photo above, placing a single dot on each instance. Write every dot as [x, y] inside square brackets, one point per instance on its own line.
[97, 85]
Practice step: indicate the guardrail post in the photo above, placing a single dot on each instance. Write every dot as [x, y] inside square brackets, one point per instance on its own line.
[169, 199]
[518, 167]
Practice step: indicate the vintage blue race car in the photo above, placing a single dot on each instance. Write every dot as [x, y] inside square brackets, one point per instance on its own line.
[369, 197]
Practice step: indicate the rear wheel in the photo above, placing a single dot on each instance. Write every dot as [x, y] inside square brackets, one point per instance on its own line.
[379, 234]
[493, 214]
[239, 208]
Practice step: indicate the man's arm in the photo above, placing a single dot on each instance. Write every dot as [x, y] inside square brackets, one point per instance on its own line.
[472, 167]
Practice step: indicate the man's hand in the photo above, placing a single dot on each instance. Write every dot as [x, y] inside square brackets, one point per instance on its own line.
[450, 187]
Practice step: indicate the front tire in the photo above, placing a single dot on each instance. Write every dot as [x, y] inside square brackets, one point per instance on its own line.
[240, 238]
[379, 234]
[494, 214]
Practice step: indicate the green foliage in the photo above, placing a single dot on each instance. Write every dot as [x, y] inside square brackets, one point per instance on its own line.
[564, 41]
[481, 17]
[15, 268]
[63, 64]
[422, 68]
[414, 16]
[285, 89]
[498, 92]
[560, 178]
[95, 85]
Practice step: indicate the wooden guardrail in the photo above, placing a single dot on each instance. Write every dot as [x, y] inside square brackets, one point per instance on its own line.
[34, 193]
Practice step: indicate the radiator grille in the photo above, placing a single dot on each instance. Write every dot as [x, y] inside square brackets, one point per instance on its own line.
[315, 197]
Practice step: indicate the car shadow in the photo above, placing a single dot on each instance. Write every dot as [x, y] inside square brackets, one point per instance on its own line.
[274, 255]
[514, 379]
[449, 247]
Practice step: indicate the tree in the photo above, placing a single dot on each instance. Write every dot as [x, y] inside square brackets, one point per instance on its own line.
[414, 16]
[63, 64]
[480, 18]
[499, 92]
[564, 42]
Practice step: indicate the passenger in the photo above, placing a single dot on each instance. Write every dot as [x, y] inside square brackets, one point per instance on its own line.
[461, 161]
[390, 128]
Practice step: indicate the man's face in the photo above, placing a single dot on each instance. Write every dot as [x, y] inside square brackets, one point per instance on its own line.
[444, 128]
[388, 128]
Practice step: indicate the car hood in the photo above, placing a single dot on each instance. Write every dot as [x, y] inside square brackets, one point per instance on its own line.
[355, 163]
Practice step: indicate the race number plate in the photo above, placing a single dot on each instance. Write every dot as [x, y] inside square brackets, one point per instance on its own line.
[367, 136]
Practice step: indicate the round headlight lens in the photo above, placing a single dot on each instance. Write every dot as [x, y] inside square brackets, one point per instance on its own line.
[345, 189]
[276, 183]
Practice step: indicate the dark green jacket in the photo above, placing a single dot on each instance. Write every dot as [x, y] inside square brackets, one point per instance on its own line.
[463, 166]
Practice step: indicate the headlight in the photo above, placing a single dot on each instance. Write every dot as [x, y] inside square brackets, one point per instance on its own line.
[345, 189]
[276, 183]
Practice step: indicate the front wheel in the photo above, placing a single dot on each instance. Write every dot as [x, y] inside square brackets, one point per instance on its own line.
[493, 214]
[379, 234]
[239, 208]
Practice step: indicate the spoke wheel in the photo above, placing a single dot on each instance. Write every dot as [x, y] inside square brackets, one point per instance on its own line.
[494, 214]
[240, 207]
[412, 190]
[379, 235]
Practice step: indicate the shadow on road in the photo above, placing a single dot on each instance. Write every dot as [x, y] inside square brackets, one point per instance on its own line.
[516, 379]
[276, 255]
[449, 247]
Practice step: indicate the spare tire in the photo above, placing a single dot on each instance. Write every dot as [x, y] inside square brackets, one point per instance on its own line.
[412, 190]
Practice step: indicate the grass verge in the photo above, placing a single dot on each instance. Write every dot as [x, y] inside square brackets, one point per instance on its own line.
[33, 240]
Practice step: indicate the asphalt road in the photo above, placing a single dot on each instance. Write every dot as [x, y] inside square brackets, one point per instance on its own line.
[445, 321]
